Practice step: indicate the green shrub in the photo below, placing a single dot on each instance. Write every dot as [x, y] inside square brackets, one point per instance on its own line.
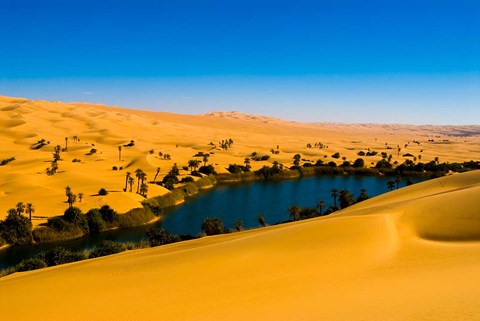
[187, 179]
[60, 255]
[207, 170]
[158, 236]
[359, 163]
[72, 214]
[31, 264]
[57, 223]
[135, 217]
[213, 226]
[108, 214]
[45, 234]
[16, 229]
[96, 224]
[107, 248]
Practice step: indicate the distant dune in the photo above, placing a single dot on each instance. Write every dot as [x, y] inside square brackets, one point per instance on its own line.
[411, 254]
[23, 123]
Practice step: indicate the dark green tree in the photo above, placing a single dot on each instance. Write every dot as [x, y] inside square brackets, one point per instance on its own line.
[345, 198]
[363, 195]
[213, 226]
[334, 195]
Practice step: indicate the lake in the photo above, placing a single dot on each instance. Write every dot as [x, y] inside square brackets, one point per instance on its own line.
[229, 202]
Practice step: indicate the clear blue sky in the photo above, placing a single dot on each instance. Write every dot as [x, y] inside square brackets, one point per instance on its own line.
[351, 61]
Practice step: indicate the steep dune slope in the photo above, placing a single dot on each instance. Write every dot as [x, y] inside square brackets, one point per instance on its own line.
[411, 254]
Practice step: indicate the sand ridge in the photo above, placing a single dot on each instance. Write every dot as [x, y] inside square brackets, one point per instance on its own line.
[24, 122]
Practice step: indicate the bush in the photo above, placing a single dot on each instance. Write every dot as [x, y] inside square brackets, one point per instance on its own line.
[57, 223]
[96, 224]
[336, 155]
[207, 170]
[31, 264]
[135, 217]
[16, 229]
[213, 226]
[381, 164]
[361, 153]
[359, 163]
[72, 214]
[45, 234]
[158, 236]
[102, 192]
[107, 248]
[114, 168]
[108, 214]
[60, 255]
[265, 157]
[187, 179]
[332, 164]
[234, 169]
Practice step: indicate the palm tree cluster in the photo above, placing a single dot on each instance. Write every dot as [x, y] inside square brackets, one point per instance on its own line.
[71, 197]
[226, 143]
[193, 164]
[142, 187]
[164, 156]
[54, 163]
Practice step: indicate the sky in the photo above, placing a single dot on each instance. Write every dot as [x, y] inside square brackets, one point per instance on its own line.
[325, 61]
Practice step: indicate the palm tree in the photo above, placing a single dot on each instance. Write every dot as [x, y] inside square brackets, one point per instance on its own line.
[68, 191]
[119, 153]
[321, 206]
[144, 189]
[296, 159]
[71, 199]
[20, 208]
[261, 220]
[334, 194]
[156, 174]
[391, 185]
[397, 181]
[246, 161]
[238, 225]
[205, 160]
[363, 195]
[131, 181]
[193, 164]
[80, 197]
[138, 173]
[126, 180]
[142, 179]
[294, 212]
[30, 209]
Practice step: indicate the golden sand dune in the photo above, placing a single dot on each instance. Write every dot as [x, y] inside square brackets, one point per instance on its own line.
[24, 122]
[411, 254]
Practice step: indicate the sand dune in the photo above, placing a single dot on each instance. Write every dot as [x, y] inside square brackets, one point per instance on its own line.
[411, 254]
[24, 122]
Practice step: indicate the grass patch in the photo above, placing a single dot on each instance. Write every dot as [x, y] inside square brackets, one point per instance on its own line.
[135, 217]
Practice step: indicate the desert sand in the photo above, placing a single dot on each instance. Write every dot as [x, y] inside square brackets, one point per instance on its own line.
[24, 122]
[411, 254]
